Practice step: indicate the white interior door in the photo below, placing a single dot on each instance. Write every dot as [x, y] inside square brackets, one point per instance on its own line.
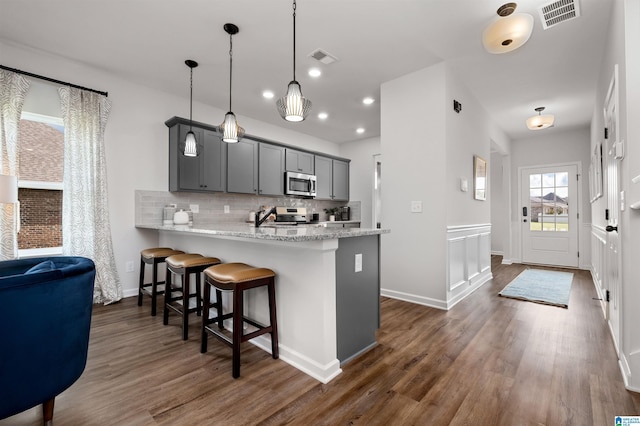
[611, 279]
[549, 215]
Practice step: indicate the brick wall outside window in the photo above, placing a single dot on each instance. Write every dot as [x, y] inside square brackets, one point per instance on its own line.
[40, 160]
[40, 218]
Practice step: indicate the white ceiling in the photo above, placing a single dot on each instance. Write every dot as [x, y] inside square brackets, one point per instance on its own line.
[147, 41]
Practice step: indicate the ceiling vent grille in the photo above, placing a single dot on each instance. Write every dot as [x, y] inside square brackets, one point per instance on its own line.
[322, 56]
[556, 12]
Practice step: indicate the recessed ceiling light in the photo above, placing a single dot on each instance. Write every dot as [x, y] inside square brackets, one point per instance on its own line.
[268, 94]
[315, 72]
[360, 130]
[368, 101]
[323, 115]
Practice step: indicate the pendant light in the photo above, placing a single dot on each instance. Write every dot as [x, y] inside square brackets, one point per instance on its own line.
[293, 106]
[539, 122]
[231, 131]
[190, 143]
[509, 31]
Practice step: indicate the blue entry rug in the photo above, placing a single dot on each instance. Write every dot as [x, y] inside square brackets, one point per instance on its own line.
[540, 286]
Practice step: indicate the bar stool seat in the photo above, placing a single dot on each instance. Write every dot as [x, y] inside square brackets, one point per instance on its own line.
[153, 256]
[177, 298]
[237, 277]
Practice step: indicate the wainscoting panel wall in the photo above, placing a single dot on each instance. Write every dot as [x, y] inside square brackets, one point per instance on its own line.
[468, 260]
[598, 256]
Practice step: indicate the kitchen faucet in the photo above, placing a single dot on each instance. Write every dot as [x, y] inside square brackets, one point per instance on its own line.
[265, 217]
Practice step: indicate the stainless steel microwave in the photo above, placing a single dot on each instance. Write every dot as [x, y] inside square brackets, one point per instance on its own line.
[299, 184]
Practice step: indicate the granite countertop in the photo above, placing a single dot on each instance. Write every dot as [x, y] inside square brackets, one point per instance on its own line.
[269, 231]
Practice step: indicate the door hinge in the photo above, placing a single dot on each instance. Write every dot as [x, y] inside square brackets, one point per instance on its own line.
[578, 176]
[606, 133]
[578, 254]
[578, 215]
[608, 296]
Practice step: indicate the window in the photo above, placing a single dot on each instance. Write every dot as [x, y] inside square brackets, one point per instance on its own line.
[549, 201]
[40, 168]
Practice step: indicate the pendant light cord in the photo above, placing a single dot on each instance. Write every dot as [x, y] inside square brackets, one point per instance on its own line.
[294, 40]
[230, 67]
[191, 101]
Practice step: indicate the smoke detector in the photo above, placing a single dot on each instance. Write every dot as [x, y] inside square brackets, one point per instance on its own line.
[556, 12]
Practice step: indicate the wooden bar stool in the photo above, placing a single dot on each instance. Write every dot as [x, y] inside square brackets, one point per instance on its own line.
[153, 256]
[184, 265]
[237, 277]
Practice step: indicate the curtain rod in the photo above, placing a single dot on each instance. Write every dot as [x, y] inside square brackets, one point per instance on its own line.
[53, 80]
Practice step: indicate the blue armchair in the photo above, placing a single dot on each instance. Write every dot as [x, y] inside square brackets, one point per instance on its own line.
[45, 317]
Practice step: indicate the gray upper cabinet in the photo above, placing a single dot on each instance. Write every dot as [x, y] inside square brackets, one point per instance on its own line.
[300, 162]
[324, 176]
[271, 167]
[340, 180]
[204, 173]
[242, 167]
[332, 179]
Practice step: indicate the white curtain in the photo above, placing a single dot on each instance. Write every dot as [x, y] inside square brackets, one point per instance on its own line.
[85, 211]
[13, 90]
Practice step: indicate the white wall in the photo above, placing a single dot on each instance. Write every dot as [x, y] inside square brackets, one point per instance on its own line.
[361, 175]
[414, 165]
[467, 134]
[499, 207]
[423, 160]
[137, 141]
[552, 146]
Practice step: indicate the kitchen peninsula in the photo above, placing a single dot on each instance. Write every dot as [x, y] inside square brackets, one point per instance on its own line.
[327, 285]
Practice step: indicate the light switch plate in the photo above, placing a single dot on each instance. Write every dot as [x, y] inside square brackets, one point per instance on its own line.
[464, 185]
[416, 207]
[226, 209]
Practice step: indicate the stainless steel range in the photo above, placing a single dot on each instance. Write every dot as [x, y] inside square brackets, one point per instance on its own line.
[291, 215]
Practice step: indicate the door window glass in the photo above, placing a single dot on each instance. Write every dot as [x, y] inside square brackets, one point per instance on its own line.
[549, 202]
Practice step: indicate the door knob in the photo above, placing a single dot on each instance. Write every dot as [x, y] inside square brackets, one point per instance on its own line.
[610, 228]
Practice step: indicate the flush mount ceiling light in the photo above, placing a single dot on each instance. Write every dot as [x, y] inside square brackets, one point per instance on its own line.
[190, 143]
[293, 106]
[509, 31]
[539, 122]
[230, 129]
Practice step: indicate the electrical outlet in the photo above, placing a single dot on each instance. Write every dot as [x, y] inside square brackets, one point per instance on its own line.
[226, 209]
[195, 208]
[416, 207]
[358, 262]
[129, 266]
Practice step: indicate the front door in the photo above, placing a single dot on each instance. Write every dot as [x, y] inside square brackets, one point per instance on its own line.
[549, 215]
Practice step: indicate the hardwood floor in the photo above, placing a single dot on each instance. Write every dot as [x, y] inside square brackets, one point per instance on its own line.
[488, 361]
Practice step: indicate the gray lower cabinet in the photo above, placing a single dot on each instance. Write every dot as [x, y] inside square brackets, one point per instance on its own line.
[204, 173]
[332, 179]
[357, 295]
[271, 169]
[300, 162]
[242, 167]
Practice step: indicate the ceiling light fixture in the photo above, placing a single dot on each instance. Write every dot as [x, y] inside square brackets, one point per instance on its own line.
[539, 122]
[509, 31]
[360, 130]
[268, 94]
[190, 143]
[315, 72]
[323, 115]
[230, 129]
[293, 106]
[368, 101]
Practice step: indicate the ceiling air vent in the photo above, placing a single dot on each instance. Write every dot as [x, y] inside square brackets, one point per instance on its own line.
[552, 14]
[322, 56]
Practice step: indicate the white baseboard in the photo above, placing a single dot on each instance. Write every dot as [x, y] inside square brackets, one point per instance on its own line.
[419, 300]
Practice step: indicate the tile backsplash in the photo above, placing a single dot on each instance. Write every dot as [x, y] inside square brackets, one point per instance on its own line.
[211, 207]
